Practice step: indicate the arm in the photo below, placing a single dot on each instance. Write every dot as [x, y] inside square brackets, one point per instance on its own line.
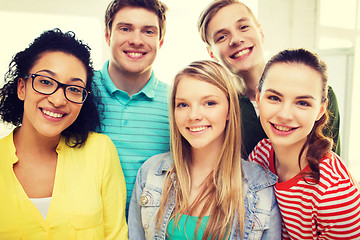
[332, 128]
[113, 192]
[339, 211]
[136, 230]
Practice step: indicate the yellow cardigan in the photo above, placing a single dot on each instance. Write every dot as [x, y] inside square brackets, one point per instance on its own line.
[88, 200]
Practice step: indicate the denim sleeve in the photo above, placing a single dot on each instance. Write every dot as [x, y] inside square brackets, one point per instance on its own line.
[274, 231]
[136, 230]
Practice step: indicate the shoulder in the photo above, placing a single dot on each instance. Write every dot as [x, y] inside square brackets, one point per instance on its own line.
[257, 176]
[96, 144]
[331, 92]
[97, 139]
[155, 169]
[332, 105]
[6, 139]
[335, 178]
[7, 148]
[161, 90]
[332, 168]
[97, 75]
[262, 150]
[157, 164]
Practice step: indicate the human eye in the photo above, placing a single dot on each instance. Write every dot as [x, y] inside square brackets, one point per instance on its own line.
[273, 98]
[74, 90]
[244, 27]
[220, 38]
[303, 103]
[210, 103]
[149, 32]
[124, 29]
[44, 81]
[181, 105]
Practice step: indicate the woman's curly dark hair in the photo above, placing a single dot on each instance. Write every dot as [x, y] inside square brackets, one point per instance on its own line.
[12, 108]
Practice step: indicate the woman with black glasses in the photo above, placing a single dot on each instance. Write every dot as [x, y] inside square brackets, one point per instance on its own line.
[58, 179]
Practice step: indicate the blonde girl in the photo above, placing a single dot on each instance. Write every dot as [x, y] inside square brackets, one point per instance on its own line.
[202, 189]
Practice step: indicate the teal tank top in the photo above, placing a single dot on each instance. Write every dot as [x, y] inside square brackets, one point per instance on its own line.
[186, 228]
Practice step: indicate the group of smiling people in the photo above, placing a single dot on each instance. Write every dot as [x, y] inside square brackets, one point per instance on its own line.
[253, 148]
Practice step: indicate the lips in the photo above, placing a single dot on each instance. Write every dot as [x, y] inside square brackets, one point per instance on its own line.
[241, 53]
[197, 129]
[134, 54]
[52, 114]
[283, 128]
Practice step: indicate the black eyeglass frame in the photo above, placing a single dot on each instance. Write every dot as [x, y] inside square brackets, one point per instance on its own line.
[59, 85]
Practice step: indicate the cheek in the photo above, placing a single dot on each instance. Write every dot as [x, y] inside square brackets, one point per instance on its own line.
[179, 118]
[76, 109]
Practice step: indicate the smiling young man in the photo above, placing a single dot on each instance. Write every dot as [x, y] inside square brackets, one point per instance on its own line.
[135, 101]
[234, 37]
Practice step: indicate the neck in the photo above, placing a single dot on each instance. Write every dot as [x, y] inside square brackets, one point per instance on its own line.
[251, 79]
[203, 160]
[34, 144]
[129, 82]
[287, 161]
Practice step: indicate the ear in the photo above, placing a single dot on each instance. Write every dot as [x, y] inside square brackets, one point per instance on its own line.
[211, 53]
[228, 114]
[323, 109]
[107, 37]
[257, 97]
[262, 34]
[21, 89]
[161, 43]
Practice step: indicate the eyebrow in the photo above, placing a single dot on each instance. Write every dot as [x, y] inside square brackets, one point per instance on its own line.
[281, 95]
[53, 75]
[202, 98]
[241, 20]
[131, 25]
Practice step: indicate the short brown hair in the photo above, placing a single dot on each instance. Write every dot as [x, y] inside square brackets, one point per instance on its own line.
[155, 6]
[210, 11]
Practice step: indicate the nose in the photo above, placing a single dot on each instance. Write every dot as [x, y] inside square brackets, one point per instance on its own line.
[195, 113]
[236, 40]
[285, 112]
[136, 39]
[58, 98]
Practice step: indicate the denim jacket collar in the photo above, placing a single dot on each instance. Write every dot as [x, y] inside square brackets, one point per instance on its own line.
[254, 176]
[164, 166]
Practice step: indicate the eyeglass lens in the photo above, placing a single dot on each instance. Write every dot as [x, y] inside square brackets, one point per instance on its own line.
[47, 85]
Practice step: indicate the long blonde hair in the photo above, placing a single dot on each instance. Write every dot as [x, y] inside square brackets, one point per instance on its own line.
[222, 190]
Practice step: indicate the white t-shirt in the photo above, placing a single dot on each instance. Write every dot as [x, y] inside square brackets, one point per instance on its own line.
[42, 204]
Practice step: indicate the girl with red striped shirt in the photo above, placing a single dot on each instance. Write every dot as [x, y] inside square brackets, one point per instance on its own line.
[317, 196]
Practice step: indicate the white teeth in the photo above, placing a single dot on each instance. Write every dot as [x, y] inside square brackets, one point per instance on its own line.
[242, 53]
[51, 114]
[197, 129]
[282, 128]
[133, 54]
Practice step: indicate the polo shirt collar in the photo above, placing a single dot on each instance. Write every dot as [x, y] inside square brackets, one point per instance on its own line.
[148, 89]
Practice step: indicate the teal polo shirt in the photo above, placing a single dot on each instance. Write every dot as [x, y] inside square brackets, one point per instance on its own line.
[138, 125]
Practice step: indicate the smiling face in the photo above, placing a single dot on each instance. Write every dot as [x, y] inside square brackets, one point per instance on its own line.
[201, 116]
[236, 39]
[290, 102]
[49, 115]
[134, 40]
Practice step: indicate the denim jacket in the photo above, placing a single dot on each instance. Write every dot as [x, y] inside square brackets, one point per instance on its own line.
[262, 217]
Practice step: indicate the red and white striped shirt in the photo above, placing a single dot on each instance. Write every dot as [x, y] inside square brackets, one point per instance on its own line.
[327, 210]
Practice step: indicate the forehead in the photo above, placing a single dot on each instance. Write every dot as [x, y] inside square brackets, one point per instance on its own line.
[189, 86]
[293, 77]
[61, 64]
[228, 16]
[136, 16]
